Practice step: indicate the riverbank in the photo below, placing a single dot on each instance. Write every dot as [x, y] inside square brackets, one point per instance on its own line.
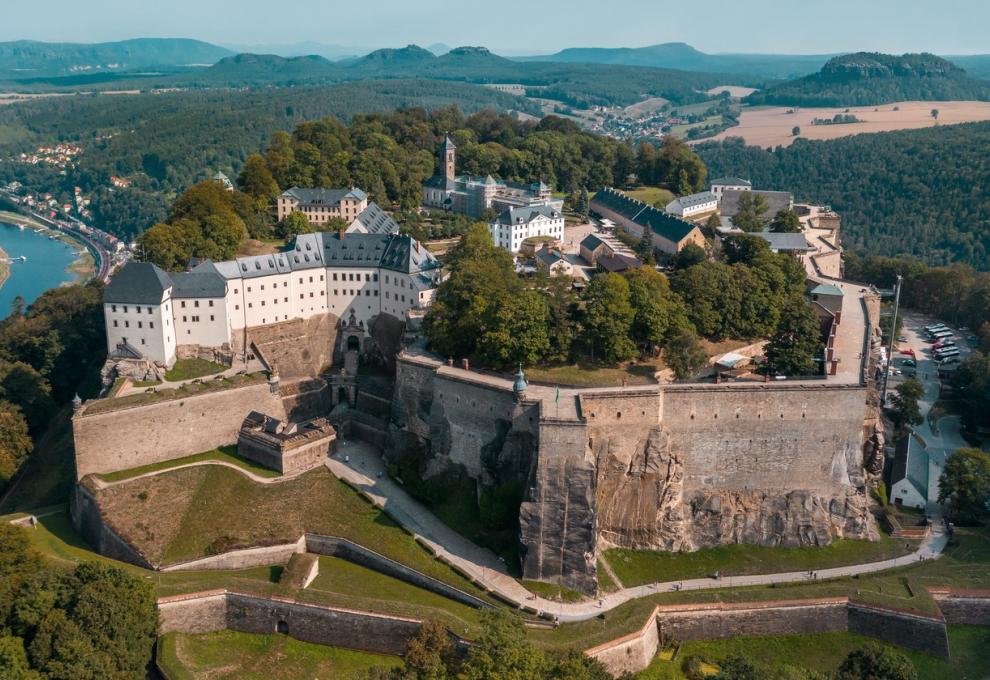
[4, 267]
[82, 268]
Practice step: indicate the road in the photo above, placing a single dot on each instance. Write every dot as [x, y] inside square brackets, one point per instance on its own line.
[946, 437]
[362, 466]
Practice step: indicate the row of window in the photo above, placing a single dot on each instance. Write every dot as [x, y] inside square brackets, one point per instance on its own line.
[195, 318]
[195, 303]
[127, 324]
[137, 309]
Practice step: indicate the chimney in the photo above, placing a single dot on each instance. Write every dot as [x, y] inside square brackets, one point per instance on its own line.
[340, 233]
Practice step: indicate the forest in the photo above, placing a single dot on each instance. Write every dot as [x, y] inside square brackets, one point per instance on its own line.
[911, 192]
[166, 142]
[869, 79]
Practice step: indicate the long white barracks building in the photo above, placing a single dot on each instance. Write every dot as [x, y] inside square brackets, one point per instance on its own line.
[150, 312]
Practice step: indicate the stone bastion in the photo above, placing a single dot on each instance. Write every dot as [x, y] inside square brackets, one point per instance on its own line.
[674, 467]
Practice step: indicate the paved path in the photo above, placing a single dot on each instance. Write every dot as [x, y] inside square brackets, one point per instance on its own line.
[361, 465]
[104, 484]
[252, 366]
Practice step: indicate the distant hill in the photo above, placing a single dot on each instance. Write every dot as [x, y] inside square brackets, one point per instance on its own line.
[266, 69]
[29, 59]
[866, 79]
[686, 58]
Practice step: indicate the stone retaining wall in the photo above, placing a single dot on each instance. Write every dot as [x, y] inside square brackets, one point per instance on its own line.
[88, 521]
[969, 607]
[243, 559]
[634, 652]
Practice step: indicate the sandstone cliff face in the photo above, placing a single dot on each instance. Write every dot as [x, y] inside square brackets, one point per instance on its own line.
[642, 504]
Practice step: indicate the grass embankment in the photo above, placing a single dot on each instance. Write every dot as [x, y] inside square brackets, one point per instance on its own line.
[965, 563]
[339, 583]
[226, 454]
[638, 567]
[187, 390]
[202, 510]
[656, 196]
[824, 652]
[552, 591]
[587, 374]
[228, 654]
[187, 369]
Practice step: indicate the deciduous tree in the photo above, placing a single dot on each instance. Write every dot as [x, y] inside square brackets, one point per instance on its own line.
[797, 339]
[608, 317]
[965, 485]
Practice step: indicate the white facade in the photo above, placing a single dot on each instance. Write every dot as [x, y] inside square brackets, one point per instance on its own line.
[719, 186]
[518, 224]
[695, 204]
[367, 274]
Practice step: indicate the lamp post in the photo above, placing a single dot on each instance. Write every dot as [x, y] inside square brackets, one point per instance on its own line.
[890, 350]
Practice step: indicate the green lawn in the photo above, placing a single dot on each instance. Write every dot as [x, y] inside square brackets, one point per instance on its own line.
[825, 651]
[651, 195]
[552, 591]
[187, 390]
[187, 369]
[591, 375]
[638, 567]
[227, 654]
[227, 454]
[201, 510]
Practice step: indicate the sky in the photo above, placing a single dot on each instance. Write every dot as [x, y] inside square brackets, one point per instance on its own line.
[522, 26]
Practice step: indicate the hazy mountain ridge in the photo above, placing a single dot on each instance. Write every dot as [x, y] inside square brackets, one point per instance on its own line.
[28, 58]
[870, 78]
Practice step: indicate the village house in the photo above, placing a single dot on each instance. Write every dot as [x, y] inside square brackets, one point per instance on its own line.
[515, 225]
[320, 205]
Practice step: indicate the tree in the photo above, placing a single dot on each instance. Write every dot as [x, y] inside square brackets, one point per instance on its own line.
[658, 312]
[15, 442]
[749, 215]
[785, 222]
[292, 225]
[582, 204]
[683, 353]
[608, 317]
[904, 409]
[792, 347]
[256, 180]
[502, 651]
[431, 654]
[14, 661]
[965, 485]
[876, 662]
[517, 331]
[644, 249]
[737, 668]
[795, 131]
[935, 114]
[690, 255]
[561, 307]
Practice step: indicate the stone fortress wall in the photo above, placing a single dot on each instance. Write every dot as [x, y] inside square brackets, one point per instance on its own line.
[668, 467]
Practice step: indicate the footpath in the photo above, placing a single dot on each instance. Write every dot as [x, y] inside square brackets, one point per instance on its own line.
[361, 466]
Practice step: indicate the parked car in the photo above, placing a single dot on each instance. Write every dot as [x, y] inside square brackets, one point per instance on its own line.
[909, 362]
[902, 338]
[911, 373]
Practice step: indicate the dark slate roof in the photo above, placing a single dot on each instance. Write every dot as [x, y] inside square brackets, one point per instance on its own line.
[376, 221]
[730, 182]
[329, 197]
[137, 283]
[785, 242]
[405, 254]
[694, 199]
[526, 214]
[448, 143]
[619, 263]
[550, 257]
[911, 463]
[776, 200]
[672, 228]
[591, 242]
[198, 284]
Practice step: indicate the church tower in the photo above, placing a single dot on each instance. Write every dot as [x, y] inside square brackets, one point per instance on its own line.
[448, 158]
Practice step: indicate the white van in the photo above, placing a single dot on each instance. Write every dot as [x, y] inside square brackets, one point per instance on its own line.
[941, 356]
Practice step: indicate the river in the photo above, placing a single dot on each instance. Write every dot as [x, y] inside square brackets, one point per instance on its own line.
[47, 261]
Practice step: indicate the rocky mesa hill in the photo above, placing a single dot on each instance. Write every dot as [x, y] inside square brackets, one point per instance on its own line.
[867, 79]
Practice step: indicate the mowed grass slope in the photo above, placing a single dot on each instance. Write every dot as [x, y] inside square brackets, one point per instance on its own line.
[193, 512]
[638, 567]
[824, 652]
[228, 654]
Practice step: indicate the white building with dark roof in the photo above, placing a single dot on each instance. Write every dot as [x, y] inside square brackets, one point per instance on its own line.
[149, 312]
[515, 225]
[693, 204]
[719, 185]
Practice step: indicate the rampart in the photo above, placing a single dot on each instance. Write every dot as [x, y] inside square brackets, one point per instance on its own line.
[112, 436]
[217, 610]
[668, 467]
[668, 623]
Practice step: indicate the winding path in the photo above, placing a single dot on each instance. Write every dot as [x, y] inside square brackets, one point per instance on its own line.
[360, 465]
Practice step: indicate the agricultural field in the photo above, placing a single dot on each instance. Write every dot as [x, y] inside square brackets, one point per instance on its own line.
[772, 126]
[645, 107]
[736, 91]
